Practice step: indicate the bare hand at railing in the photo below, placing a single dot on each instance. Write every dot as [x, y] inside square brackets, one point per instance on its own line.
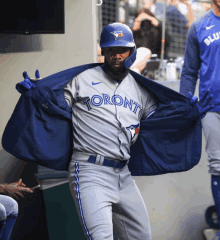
[14, 190]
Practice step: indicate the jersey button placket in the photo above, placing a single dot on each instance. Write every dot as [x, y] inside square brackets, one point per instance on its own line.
[118, 117]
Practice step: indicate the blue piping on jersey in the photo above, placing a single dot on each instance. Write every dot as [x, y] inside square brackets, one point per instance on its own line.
[150, 113]
[79, 199]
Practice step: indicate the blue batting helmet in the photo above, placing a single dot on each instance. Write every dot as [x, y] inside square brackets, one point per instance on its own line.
[119, 35]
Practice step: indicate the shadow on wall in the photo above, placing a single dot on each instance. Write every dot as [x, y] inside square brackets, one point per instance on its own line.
[11, 43]
[10, 168]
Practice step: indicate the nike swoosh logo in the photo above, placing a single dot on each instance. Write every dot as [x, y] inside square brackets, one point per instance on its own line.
[95, 83]
[207, 28]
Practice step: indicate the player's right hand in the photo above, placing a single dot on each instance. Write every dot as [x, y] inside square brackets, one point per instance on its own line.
[203, 104]
[27, 84]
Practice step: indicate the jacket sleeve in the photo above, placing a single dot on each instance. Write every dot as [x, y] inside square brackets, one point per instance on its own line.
[150, 106]
[192, 63]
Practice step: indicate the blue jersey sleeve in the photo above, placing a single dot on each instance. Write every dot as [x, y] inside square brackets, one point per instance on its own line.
[192, 62]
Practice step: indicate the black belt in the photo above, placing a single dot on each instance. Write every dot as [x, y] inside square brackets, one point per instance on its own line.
[108, 162]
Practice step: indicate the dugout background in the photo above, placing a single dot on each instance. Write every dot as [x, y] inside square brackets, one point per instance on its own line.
[176, 202]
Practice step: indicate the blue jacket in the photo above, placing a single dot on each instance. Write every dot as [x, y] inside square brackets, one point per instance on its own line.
[202, 54]
[40, 128]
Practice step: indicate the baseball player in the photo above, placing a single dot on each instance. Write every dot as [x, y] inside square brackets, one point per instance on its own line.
[107, 103]
[202, 55]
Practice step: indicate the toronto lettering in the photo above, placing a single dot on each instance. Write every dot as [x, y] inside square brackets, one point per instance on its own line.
[105, 99]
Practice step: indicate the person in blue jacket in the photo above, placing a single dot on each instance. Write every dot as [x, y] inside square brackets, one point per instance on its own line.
[105, 123]
[202, 55]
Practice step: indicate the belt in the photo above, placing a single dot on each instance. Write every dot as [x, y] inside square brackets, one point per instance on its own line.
[107, 162]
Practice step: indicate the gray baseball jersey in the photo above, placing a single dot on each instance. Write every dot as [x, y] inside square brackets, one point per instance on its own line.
[106, 115]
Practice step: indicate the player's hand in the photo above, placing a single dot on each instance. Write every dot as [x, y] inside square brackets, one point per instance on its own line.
[202, 105]
[17, 184]
[37, 76]
[143, 16]
[15, 190]
[27, 84]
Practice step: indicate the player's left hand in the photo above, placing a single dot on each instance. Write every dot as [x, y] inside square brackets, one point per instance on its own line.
[203, 104]
[27, 84]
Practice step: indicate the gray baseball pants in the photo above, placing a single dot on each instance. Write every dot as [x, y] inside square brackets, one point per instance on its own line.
[211, 129]
[8, 206]
[107, 199]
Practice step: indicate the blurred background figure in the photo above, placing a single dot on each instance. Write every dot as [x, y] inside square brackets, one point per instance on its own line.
[158, 9]
[185, 8]
[148, 4]
[179, 16]
[131, 4]
[147, 30]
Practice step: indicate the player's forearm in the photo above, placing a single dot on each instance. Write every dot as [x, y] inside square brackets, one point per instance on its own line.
[192, 63]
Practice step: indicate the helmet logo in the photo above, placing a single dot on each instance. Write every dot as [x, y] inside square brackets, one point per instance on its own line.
[117, 34]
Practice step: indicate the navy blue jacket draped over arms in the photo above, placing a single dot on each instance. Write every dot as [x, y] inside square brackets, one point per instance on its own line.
[40, 128]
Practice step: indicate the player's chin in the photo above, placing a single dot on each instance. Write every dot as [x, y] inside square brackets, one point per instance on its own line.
[117, 67]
